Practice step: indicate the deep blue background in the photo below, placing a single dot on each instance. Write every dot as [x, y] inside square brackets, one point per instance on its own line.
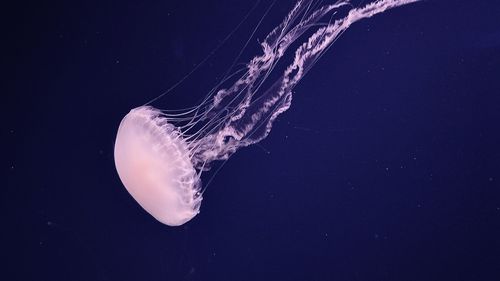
[387, 166]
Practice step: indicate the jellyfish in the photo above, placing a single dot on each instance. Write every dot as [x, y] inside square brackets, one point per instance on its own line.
[161, 154]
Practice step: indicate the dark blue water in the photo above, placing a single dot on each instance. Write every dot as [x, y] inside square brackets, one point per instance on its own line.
[386, 167]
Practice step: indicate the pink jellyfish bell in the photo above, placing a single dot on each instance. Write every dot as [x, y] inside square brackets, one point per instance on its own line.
[154, 165]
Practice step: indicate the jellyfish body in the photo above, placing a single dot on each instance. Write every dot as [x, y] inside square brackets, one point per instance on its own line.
[151, 160]
[160, 155]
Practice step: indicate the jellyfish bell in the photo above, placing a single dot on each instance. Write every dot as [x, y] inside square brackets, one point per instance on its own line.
[154, 165]
[160, 155]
